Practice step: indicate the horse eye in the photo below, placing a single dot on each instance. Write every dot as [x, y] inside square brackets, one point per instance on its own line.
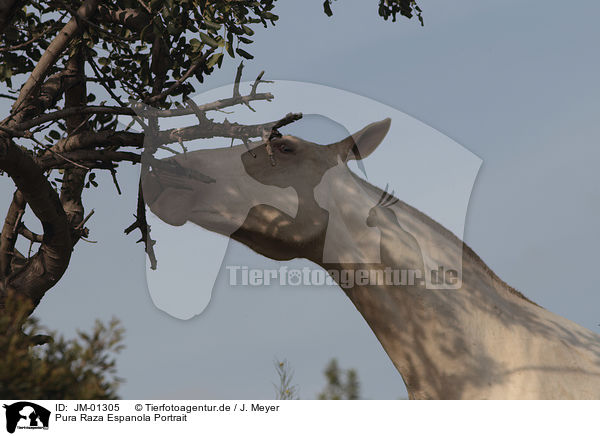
[284, 148]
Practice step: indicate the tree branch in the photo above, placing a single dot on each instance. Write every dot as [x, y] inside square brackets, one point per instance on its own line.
[142, 224]
[92, 159]
[35, 38]
[54, 50]
[74, 178]
[48, 265]
[223, 130]
[49, 93]
[9, 234]
[76, 110]
[182, 79]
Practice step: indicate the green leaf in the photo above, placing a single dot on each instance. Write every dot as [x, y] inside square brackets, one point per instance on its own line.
[229, 48]
[208, 40]
[54, 134]
[212, 61]
[244, 53]
[214, 26]
[327, 8]
[195, 44]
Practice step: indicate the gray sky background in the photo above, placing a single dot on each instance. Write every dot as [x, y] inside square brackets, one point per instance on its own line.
[513, 82]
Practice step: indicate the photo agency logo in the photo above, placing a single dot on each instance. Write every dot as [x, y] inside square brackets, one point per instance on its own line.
[25, 415]
[383, 206]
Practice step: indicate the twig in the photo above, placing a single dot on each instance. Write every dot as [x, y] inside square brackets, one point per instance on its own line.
[199, 114]
[288, 119]
[214, 106]
[224, 130]
[53, 52]
[269, 135]
[102, 80]
[142, 224]
[85, 220]
[183, 146]
[34, 39]
[183, 78]
[110, 35]
[257, 82]
[267, 140]
[145, 6]
[28, 234]
[8, 96]
[238, 78]
[80, 110]
[113, 173]
[66, 159]
[247, 145]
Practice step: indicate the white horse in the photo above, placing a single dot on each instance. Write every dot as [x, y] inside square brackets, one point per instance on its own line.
[482, 340]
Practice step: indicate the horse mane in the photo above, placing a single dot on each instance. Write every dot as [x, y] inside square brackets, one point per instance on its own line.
[430, 222]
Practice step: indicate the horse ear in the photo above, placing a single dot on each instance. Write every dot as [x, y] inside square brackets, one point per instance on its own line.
[362, 143]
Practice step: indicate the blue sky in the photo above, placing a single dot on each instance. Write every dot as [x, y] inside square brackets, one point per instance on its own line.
[513, 82]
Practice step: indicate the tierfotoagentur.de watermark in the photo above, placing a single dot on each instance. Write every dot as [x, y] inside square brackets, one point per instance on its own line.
[346, 278]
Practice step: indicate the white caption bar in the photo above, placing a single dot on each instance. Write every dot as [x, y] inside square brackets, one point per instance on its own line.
[285, 418]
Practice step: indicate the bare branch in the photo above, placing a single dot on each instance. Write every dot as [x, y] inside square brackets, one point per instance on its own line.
[85, 220]
[213, 106]
[29, 235]
[257, 82]
[142, 224]
[238, 77]
[224, 130]
[113, 173]
[200, 115]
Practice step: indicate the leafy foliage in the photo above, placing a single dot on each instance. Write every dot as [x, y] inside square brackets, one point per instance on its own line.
[121, 41]
[389, 8]
[144, 51]
[35, 366]
[341, 385]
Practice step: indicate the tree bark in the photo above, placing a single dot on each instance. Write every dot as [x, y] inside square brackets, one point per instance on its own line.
[48, 265]
[52, 53]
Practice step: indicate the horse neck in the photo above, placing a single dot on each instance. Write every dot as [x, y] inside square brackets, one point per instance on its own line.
[439, 340]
